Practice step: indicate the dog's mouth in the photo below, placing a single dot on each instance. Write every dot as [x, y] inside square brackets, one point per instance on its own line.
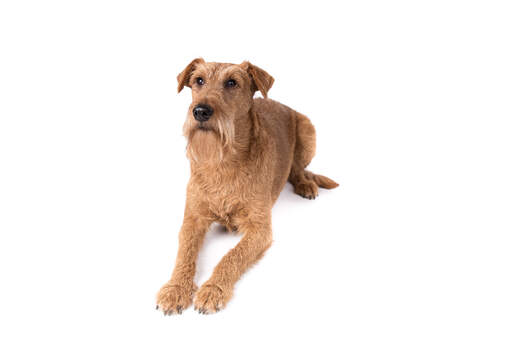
[203, 126]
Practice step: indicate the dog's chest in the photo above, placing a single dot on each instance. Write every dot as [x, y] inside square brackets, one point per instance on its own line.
[225, 194]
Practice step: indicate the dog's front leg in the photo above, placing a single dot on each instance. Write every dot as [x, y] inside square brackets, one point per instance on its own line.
[216, 292]
[177, 294]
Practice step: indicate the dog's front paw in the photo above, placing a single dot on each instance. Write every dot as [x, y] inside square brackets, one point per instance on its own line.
[172, 299]
[210, 299]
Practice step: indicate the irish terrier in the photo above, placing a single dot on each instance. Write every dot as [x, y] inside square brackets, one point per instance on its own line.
[241, 151]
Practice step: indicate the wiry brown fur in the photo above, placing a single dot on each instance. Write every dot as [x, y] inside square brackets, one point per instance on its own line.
[240, 160]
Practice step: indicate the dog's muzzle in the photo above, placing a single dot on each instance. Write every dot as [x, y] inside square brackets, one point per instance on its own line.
[202, 112]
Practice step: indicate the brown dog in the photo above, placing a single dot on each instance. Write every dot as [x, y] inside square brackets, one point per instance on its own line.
[242, 151]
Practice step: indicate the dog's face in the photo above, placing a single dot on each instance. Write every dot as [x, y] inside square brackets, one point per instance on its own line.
[222, 95]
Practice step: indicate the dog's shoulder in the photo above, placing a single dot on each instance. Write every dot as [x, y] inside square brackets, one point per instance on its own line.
[274, 116]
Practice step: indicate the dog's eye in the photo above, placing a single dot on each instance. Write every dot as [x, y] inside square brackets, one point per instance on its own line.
[230, 83]
[199, 81]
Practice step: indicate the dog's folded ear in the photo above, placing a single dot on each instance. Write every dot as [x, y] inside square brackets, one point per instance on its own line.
[184, 76]
[261, 80]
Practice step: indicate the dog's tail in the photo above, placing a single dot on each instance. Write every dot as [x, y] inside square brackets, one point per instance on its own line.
[321, 181]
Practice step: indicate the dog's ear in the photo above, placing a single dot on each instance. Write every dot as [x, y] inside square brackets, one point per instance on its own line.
[184, 76]
[261, 80]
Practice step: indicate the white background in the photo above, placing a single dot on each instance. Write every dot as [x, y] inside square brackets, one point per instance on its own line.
[412, 105]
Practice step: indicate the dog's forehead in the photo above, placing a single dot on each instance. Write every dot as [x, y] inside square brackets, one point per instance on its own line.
[214, 69]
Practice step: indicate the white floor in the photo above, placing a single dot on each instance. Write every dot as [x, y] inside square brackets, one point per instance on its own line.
[411, 102]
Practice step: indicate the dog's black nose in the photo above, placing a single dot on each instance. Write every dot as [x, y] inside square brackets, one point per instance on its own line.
[202, 112]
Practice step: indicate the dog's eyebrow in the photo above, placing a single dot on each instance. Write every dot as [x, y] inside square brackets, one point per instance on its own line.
[198, 72]
[232, 71]
[203, 71]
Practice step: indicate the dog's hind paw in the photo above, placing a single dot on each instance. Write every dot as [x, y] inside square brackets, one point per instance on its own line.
[308, 190]
[172, 299]
[210, 299]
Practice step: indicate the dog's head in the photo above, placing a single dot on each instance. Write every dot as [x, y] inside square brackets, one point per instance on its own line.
[222, 95]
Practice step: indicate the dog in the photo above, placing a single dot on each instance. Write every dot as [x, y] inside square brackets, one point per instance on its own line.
[242, 150]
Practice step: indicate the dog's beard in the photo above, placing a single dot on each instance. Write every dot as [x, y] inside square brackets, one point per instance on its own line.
[210, 141]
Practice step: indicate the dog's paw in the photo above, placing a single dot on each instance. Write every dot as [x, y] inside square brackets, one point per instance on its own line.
[210, 299]
[308, 190]
[172, 299]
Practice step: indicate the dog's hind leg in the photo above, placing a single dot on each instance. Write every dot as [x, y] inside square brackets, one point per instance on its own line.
[306, 183]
